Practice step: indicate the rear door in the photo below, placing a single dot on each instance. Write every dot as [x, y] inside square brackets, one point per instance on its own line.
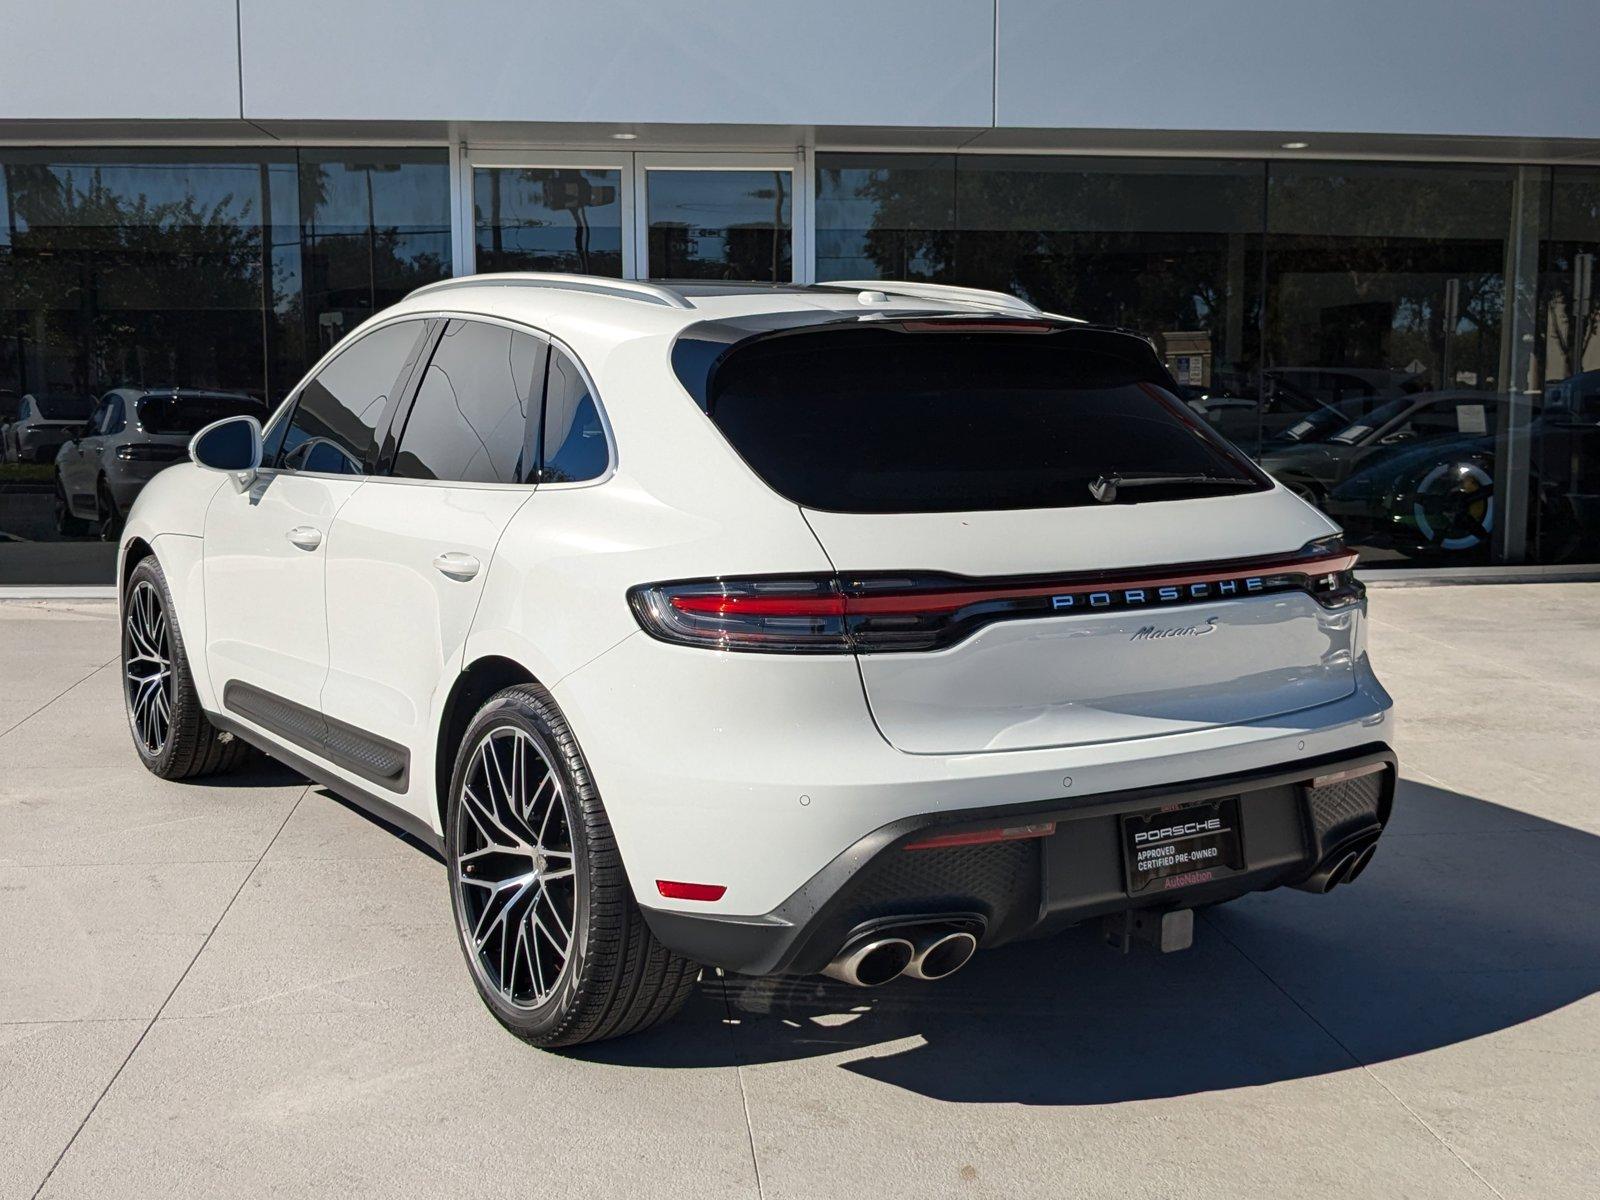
[951, 475]
[411, 549]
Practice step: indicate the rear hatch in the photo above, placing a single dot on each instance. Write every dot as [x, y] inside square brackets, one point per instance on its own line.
[1036, 542]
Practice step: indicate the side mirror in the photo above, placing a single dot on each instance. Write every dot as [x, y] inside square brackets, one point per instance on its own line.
[233, 445]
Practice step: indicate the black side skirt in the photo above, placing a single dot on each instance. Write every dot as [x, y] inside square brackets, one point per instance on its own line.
[375, 759]
[381, 810]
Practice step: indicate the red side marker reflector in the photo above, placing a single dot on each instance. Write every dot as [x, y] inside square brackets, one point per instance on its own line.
[674, 890]
[982, 837]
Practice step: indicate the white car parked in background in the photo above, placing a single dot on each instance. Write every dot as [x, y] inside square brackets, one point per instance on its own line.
[841, 629]
[132, 434]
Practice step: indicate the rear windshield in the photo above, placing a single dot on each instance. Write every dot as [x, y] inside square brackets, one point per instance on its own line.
[64, 408]
[933, 419]
[190, 414]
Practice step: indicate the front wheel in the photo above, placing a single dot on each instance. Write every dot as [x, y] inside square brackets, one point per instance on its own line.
[170, 730]
[544, 912]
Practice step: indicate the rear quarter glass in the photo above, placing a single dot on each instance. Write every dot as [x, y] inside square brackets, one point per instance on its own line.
[916, 417]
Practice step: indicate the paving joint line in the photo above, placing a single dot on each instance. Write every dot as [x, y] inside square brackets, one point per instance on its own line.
[734, 1026]
[10, 729]
[149, 1025]
[1366, 1068]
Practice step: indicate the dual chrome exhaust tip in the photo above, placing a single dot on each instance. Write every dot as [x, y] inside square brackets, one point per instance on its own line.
[926, 954]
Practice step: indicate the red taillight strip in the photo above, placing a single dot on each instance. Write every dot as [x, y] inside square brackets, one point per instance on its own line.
[953, 599]
[762, 606]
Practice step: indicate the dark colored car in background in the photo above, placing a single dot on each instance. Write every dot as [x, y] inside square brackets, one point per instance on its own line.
[1315, 455]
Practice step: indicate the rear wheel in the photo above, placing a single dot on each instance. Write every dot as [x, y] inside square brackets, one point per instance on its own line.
[110, 514]
[544, 912]
[67, 524]
[170, 731]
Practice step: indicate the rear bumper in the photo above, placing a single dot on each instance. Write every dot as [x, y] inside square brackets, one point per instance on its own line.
[1033, 887]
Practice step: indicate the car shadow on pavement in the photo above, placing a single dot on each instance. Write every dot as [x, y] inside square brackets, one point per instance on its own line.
[1473, 918]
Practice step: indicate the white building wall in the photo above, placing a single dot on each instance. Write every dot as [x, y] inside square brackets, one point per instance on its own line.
[1483, 67]
[1430, 67]
[893, 62]
[93, 59]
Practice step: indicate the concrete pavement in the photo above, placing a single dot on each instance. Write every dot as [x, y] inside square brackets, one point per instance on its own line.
[243, 987]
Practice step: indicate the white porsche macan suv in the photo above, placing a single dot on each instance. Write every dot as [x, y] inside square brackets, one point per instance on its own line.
[844, 628]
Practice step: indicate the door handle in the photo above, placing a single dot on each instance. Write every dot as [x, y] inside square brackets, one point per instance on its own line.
[307, 537]
[457, 565]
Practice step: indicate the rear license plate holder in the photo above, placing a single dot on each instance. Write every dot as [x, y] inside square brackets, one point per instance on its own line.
[1178, 846]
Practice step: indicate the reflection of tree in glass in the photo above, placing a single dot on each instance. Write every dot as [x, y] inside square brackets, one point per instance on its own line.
[1004, 229]
[112, 288]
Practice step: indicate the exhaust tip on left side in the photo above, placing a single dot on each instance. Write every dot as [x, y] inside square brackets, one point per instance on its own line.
[872, 962]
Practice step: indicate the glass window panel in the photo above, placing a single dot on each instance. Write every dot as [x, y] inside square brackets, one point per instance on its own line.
[548, 219]
[1386, 282]
[1565, 469]
[336, 421]
[574, 440]
[1168, 247]
[471, 421]
[375, 224]
[886, 216]
[720, 224]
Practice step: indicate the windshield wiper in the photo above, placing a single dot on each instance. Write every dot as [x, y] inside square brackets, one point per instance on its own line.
[1105, 488]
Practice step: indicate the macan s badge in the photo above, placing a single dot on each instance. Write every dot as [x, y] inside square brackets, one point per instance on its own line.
[1151, 633]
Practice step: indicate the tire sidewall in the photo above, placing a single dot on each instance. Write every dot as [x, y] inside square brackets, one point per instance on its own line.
[519, 710]
[149, 571]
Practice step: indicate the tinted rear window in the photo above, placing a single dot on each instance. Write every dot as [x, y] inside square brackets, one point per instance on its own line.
[877, 419]
[191, 414]
[64, 408]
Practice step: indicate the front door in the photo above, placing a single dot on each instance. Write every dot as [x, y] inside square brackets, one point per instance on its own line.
[266, 547]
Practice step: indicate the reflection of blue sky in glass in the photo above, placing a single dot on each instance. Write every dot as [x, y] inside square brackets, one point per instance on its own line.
[718, 199]
[536, 218]
[708, 206]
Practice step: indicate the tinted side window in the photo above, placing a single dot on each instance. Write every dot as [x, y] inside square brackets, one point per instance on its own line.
[116, 422]
[471, 421]
[335, 425]
[574, 440]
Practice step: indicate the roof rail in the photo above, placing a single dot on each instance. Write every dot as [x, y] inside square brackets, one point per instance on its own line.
[624, 289]
[1001, 301]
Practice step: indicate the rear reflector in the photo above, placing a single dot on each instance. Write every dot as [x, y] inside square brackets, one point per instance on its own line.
[673, 890]
[982, 837]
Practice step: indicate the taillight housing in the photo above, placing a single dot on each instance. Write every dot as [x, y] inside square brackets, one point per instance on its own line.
[883, 612]
[781, 615]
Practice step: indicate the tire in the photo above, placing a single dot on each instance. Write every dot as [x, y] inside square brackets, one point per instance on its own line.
[67, 525]
[612, 978]
[170, 730]
[110, 515]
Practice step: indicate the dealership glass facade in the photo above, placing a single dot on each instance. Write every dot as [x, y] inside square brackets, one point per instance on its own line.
[228, 270]
[1414, 347]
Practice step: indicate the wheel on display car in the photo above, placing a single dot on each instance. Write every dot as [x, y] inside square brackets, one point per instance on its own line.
[170, 731]
[110, 514]
[67, 524]
[553, 939]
